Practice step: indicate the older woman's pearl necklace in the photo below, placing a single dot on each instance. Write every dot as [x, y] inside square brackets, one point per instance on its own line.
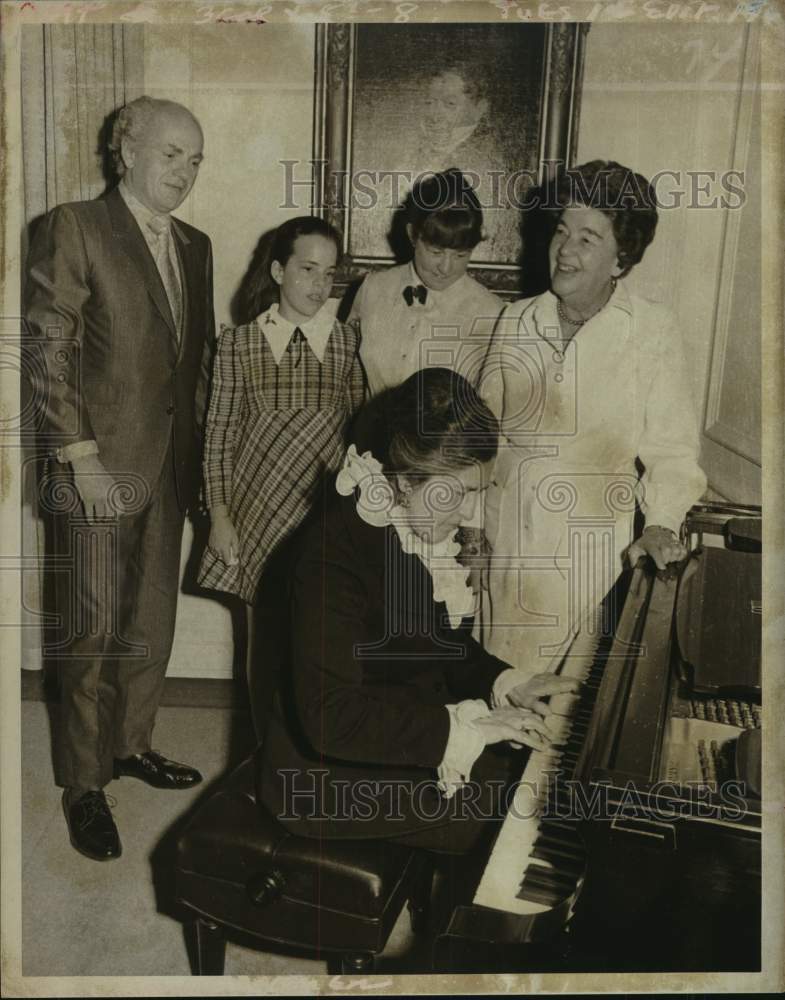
[580, 322]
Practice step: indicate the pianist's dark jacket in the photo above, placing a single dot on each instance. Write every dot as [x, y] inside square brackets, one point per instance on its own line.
[371, 665]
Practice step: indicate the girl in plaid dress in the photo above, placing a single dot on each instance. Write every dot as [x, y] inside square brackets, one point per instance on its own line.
[284, 388]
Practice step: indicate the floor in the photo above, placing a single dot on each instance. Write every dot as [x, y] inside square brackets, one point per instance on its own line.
[85, 918]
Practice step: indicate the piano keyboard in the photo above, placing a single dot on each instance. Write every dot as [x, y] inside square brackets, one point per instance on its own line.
[533, 841]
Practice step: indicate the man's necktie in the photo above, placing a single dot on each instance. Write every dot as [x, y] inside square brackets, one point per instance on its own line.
[412, 292]
[160, 225]
[295, 345]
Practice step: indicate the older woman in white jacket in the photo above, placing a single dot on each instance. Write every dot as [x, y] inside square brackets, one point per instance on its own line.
[596, 413]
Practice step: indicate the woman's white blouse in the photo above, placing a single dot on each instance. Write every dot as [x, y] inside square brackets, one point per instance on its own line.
[575, 417]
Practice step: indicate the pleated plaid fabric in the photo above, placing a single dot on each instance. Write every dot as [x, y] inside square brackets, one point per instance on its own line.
[273, 433]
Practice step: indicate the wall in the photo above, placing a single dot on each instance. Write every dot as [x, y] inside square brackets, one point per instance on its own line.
[668, 98]
[664, 98]
[252, 91]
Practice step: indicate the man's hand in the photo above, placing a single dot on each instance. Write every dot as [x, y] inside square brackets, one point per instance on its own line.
[660, 543]
[224, 540]
[529, 695]
[96, 487]
[516, 725]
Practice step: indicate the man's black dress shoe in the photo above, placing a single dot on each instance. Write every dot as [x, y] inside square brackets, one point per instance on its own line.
[157, 770]
[90, 824]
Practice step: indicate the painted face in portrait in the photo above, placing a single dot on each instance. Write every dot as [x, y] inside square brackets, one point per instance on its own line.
[449, 111]
[162, 163]
[306, 279]
[437, 506]
[584, 257]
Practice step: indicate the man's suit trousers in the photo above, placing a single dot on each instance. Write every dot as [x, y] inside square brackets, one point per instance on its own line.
[117, 585]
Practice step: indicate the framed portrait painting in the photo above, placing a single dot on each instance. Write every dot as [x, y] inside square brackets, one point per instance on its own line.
[398, 101]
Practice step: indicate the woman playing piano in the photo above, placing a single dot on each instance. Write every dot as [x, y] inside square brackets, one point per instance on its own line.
[390, 722]
[593, 387]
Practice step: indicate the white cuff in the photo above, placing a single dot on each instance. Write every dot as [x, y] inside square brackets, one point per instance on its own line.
[464, 745]
[504, 683]
[76, 450]
[661, 519]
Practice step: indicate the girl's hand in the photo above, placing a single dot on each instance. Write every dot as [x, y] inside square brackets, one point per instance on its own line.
[660, 543]
[517, 725]
[223, 539]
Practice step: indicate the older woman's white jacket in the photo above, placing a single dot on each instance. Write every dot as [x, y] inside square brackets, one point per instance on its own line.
[578, 422]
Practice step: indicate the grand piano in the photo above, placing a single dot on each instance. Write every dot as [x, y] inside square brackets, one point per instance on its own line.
[634, 842]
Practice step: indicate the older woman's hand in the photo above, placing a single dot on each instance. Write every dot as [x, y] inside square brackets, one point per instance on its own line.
[660, 543]
[517, 726]
[529, 695]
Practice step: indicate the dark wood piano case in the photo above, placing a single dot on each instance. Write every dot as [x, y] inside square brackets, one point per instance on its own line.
[672, 832]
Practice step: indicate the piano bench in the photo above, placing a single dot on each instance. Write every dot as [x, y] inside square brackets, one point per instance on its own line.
[238, 868]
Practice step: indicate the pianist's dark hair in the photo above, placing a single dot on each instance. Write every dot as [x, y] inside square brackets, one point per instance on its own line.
[259, 289]
[443, 210]
[433, 422]
[626, 198]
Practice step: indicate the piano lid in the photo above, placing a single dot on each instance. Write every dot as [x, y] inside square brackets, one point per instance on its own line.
[719, 619]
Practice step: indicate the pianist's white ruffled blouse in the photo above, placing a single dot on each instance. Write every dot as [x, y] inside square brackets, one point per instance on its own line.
[376, 506]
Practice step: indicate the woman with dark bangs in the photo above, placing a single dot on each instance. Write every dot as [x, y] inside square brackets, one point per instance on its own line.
[429, 312]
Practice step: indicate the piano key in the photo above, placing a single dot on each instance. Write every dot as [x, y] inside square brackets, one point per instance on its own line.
[558, 726]
[564, 862]
[564, 704]
[514, 879]
[540, 887]
[557, 879]
[537, 894]
[560, 829]
[562, 857]
[563, 836]
[498, 886]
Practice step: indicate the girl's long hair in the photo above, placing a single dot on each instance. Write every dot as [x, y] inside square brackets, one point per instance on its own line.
[259, 289]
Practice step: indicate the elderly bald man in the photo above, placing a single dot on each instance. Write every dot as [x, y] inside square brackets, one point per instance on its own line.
[119, 302]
